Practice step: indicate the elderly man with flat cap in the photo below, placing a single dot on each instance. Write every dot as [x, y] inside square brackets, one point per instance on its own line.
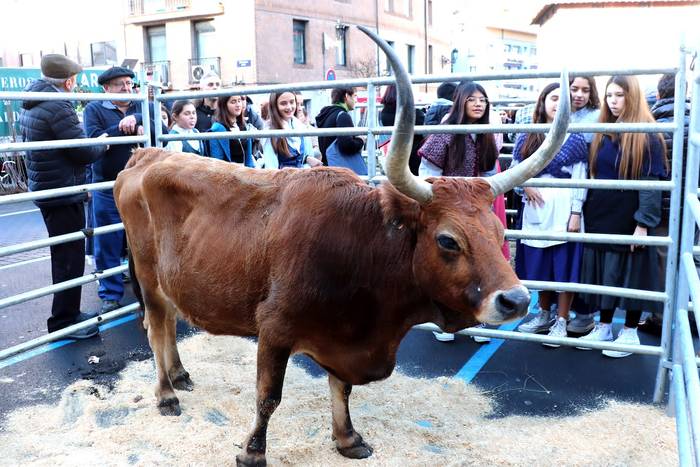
[58, 168]
[116, 118]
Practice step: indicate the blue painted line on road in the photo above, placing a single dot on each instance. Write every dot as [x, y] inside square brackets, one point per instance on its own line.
[34, 352]
[118, 322]
[477, 361]
[484, 354]
[58, 344]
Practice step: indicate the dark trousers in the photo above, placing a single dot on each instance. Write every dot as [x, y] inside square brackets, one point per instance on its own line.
[109, 248]
[67, 261]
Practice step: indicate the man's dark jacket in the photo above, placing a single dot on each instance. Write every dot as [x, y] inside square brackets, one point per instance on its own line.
[104, 117]
[204, 116]
[55, 168]
[334, 116]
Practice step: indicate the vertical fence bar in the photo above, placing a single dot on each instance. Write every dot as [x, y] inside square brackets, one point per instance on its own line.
[682, 427]
[371, 124]
[690, 375]
[157, 128]
[145, 110]
[673, 227]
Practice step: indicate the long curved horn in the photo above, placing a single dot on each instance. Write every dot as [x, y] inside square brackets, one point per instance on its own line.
[505, 181]
[402, 137]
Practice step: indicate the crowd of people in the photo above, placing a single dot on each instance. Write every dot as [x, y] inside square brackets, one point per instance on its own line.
[611, 156]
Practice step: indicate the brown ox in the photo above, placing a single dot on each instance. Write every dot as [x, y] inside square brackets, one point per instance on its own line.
[315, 262]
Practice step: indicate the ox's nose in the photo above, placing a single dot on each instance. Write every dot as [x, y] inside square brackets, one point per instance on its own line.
[513, 302]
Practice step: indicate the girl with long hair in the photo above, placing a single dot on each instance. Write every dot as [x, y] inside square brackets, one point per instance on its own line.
[551, 210]
[472, 155]
[229, 116]
[290, 151]
[463, 155]
[622, 156]
[585, 103]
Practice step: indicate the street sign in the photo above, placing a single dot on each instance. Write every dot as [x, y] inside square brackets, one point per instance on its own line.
[330, 74]
[243, 63]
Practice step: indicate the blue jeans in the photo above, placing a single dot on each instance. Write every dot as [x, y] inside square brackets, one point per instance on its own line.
[109, 248]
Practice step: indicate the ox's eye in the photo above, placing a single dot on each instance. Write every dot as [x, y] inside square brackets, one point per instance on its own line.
[448, 243]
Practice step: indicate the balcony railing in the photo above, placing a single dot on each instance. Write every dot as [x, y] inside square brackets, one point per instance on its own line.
[200, 66]
[150, 7]
[162, 68]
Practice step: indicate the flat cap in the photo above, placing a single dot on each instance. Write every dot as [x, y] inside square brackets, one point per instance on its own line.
[114, 72]
[59, 66]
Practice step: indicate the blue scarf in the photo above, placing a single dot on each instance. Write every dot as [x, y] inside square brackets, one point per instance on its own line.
[573, 151]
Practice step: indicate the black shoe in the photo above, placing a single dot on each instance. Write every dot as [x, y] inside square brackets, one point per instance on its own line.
[651, 325]
[109, 305]
[90, 331]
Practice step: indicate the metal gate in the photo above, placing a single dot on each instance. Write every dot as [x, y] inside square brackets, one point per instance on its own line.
[677, 358]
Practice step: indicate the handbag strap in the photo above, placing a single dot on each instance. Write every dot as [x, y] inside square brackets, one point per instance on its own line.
[337, 116]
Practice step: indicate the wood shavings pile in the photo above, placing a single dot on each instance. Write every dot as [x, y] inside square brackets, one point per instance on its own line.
[408, 422]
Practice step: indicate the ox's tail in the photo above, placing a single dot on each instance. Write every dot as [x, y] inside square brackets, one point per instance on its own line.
[136, 288]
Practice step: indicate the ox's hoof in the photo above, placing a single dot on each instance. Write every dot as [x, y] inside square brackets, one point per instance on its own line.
[359, 450]
[183, 382]
[169, 407]
[251, 460]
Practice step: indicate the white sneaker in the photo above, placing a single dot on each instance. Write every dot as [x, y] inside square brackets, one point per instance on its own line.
[558, 329]
[480, 339]
[626, 336]
[540, 323]
[601, 332]
[444, 336]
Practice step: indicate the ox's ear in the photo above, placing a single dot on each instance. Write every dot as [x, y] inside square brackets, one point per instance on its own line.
[398, 209]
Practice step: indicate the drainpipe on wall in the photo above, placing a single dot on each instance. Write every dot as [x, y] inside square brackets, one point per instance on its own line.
[425, 31]
[376, 20]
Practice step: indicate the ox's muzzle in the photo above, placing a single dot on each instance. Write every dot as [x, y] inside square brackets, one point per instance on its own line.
[506, 305]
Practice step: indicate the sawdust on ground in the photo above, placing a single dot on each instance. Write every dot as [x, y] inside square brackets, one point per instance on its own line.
[408, 421]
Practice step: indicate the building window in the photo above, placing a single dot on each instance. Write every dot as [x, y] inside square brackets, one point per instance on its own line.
[155, 44]
[399, 7]
[341, 53]
[204, 42]
[389, 71]
[430, 59]
[411, 50]
[103, 53]
[299, 42]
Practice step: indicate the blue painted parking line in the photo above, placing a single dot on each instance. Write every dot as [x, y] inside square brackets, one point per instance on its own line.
[482, 356]
[34, 352]
[58, 344]
[477, 361]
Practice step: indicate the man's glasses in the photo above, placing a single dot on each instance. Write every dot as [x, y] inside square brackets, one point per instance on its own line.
[123, 84]
[210, 84]
[480, 100]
